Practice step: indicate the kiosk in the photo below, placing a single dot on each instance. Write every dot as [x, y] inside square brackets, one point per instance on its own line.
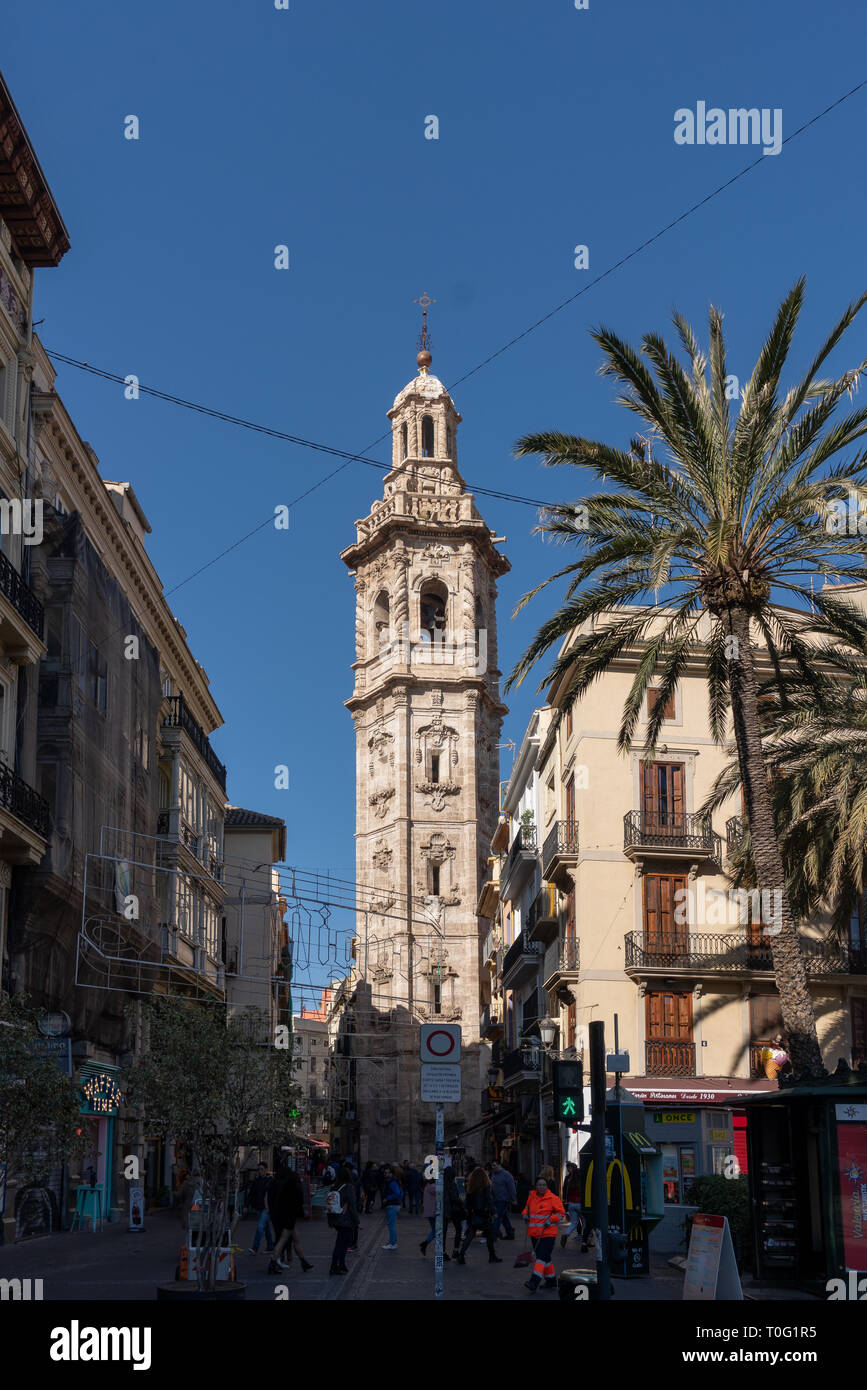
[634, 1181]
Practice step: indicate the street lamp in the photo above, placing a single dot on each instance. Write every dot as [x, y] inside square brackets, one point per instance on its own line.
[547, 1032]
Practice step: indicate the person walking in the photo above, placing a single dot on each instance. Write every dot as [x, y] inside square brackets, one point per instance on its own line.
[572, 1203]
[343, 1217]
[429, 1210]
[480, 1215]
[258, 1192]
[504, 1194]
[414, 1182]
[285, 1201]
[391, 1199]
[454, 1211]
[369, 1185]
[544, 1211]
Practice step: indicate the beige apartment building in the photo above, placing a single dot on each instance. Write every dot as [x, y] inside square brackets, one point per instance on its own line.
[612, 899]
[255, 948]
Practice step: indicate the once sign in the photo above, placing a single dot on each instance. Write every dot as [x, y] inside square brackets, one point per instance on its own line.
[440, 1084]
[440, 1043]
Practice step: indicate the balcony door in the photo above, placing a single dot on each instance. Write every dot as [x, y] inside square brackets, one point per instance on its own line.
[766, 1021]
[662, 804]
[668, 1022]
[670, 1048]
[665, 897]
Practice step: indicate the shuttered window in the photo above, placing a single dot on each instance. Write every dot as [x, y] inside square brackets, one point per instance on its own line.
[662, 795]
[664, 904]
[653, 700]
[669, 1016]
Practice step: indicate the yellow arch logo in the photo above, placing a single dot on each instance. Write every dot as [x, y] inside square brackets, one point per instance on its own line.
[624, 1175]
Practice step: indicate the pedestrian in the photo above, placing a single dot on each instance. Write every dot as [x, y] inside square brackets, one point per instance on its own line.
[454, 1211]
[544, 1211]
[369, 1185]
[547, 1173]
[504, 1193]
[414, 1183]
[429, 1210]
[391, 1197]
[480, 1215]
[258, 1191]
[343, 1217]
[328, 1174]
[285, 1202]
[572, 1203]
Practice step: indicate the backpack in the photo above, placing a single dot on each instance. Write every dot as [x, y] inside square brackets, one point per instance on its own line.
[334, 1207]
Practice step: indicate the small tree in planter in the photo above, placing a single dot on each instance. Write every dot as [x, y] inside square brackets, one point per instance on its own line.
[206, 1081]
[719, 1196]
[39, 1104]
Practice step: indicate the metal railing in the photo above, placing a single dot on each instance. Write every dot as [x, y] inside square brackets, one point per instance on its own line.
[562, 839]
[543, 907]
[524, 842]
[20, 799]
[519, 1060]
[17, 592]
[569, 954]
[735, 827]
[735, 951]
[665, 1058]
[179, 717]
[670, 832]
[521, 947]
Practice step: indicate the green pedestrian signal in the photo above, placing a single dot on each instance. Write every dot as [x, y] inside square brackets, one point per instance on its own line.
[569, 1092]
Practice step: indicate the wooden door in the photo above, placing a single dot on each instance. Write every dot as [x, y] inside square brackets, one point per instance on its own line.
[669, 1046]
[665, 897]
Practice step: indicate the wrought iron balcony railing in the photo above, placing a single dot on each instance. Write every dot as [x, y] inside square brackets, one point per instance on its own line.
[523, 843]
[561, 842]
[734, 951]
[17, 592]
[20, 799]
[670, 832]
[735, 827]
[542, 917]
[521, 1059]
[665, 1058]
[179, 717]
[521, 949]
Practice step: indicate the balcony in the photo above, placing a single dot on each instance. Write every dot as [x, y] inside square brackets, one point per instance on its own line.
[567, 965]
[521, 962]
[520, 863]
[542, 919]
[21, 597]
[669, 1058]
[489, 950]
[674, 836]
[521, 1068]
[735, 827]
[488, 899]
[560, 854]
[491, 1024]
[179, 717]
[25, 822]
[732, 953]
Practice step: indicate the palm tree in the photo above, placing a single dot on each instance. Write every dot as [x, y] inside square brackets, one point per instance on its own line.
[815, 749]
[735, 508]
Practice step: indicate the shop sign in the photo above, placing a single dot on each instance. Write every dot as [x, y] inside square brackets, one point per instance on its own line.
[101, 1094]
[674, 1117]
[719, 1136]
[852, 1159]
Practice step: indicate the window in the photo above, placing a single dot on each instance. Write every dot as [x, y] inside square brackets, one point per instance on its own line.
[435, 880]
[571, 1024]
[569, 799]
[427, 437]
[662, 797]
[669, 1048]
[97, 671]
[669, 712]
[666, 926]
[142, 745]
[569, 722]
[54, 633]
[434, 767]
[403, 441]
[432, 609]
[78, 653]
[437, 999]
[766, 1021]
[312, 1064]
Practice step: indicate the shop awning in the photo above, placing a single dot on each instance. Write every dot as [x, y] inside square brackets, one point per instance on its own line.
[488, 1122]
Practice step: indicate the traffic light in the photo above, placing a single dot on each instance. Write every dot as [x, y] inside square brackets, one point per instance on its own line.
[569, 1092]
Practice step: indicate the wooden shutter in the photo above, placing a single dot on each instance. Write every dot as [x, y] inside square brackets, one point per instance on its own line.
[668, 1016]
[662, 802]
[570, 798]
[766, 1019]
[665, 935]
[653, 700]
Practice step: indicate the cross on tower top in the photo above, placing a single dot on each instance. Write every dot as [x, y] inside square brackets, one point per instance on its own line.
[424, 358]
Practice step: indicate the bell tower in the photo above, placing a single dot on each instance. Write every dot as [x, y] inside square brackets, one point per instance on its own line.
[427, 715]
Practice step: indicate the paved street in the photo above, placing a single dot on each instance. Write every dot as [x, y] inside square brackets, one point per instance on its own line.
[117, 1265]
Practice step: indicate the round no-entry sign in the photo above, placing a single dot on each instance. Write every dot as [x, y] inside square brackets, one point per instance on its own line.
[440, 1042]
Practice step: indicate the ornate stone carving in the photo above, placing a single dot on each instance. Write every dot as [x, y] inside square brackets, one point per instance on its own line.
[382, 855]
[436, 555]
[381, 745]
[437, 791]
[379, 801]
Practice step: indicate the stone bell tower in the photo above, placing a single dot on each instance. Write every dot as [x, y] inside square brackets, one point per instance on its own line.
[427, 715]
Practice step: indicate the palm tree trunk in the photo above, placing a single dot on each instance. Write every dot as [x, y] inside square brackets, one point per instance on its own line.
[796, 1002]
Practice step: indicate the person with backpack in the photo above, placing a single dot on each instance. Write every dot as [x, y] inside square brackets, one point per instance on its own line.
[572, 1203]
[342, 1216]
[391, 1200]
[544, 1212]
[504, 1193]
[480, 1215]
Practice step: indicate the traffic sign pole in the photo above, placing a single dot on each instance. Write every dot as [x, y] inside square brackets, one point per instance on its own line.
[438, 1247]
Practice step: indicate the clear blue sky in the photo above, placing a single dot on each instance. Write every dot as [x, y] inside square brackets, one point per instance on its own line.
[261, 127]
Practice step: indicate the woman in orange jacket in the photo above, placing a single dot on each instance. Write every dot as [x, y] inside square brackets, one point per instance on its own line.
[544, 1212]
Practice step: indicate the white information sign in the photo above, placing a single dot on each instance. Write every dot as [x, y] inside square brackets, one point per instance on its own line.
[440, 1084]
[711, 1267]
[440, 1043]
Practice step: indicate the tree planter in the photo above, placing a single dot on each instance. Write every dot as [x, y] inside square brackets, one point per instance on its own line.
[185, 1291]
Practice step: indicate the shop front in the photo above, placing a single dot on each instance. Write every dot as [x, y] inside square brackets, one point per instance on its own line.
[100, 1097]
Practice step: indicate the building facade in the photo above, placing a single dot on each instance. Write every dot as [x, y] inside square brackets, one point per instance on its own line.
[255, 948]
[427, 716]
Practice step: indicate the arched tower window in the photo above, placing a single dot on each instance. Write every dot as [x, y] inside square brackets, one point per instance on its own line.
[382, 614]
[432, 608]
[427, 437]
[404, 445]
